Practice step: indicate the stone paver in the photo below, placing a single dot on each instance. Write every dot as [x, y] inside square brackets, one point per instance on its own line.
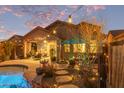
[61, 66]
[68, 86]
[63, 79]
[62, 72]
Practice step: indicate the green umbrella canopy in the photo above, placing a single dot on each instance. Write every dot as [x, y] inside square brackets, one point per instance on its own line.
[73, 41]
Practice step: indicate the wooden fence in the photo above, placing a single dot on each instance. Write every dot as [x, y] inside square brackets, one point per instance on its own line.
[116, 64]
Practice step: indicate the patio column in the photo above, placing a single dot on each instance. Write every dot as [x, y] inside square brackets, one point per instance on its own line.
[71, 51]
[62, 52]
[25, 49]
[15, 55]
[58, 50]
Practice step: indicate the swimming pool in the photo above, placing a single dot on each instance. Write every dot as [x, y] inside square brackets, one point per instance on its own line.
[13, 80]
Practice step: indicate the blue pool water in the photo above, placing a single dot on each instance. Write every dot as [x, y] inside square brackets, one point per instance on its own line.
[13, 80]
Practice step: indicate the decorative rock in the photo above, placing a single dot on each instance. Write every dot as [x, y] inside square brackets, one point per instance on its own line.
[62, 72]
[68, 86]
[63, 79]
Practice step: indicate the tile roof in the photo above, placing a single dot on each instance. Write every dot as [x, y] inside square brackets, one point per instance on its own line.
[15, 37]
[116, 32]
[36, 31]
[64, 30]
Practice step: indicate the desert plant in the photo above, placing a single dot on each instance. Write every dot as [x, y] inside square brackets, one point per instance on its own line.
[8, 47]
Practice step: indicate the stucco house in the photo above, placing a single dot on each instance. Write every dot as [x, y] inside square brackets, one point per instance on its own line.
[17, 42]
[12, 47]
[39, 41]
[72, 37]
[59, 41]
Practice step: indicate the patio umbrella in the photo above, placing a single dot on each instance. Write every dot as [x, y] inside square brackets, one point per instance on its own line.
[73, 41]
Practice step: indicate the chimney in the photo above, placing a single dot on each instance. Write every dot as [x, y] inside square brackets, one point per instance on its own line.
[69, 19]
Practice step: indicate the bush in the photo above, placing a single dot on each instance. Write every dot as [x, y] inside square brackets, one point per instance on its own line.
[38, 55]
[72, 62]
[53, 58]
[49, 72]
[63, 62]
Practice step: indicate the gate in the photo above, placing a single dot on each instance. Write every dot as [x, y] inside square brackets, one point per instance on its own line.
[116, 64]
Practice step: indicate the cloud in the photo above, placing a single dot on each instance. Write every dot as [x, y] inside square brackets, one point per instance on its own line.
[30, 24]
[44, 15]
[33, 23]
[14, 11]
[93, 8]
[6, 31]
[2, 29]
[62, 14]
[73, 6]
[4, 9]
[98, 7]
[11, 33]
[18, 14]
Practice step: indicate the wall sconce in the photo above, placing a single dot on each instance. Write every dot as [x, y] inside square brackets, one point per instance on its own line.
[69, 19]
[54, 31]
[48, 35]
[45, 41]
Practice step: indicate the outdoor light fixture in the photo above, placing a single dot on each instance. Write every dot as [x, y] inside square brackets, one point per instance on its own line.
[54, 31]
[93, 78]
[96, 73]
[69, 19]
[73, 57]
[15, 41]
[45, 41]
[107, 56]
[19, 40]
[48, 35]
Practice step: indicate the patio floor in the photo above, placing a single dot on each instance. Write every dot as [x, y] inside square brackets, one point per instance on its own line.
[63, 77]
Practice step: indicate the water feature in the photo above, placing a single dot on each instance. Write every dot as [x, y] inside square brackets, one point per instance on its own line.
[12, 77]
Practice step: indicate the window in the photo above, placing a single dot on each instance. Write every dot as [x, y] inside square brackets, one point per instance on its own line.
[67, 47]
[94, 36]
[79, 47]
[34, 46]
[93, 48]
